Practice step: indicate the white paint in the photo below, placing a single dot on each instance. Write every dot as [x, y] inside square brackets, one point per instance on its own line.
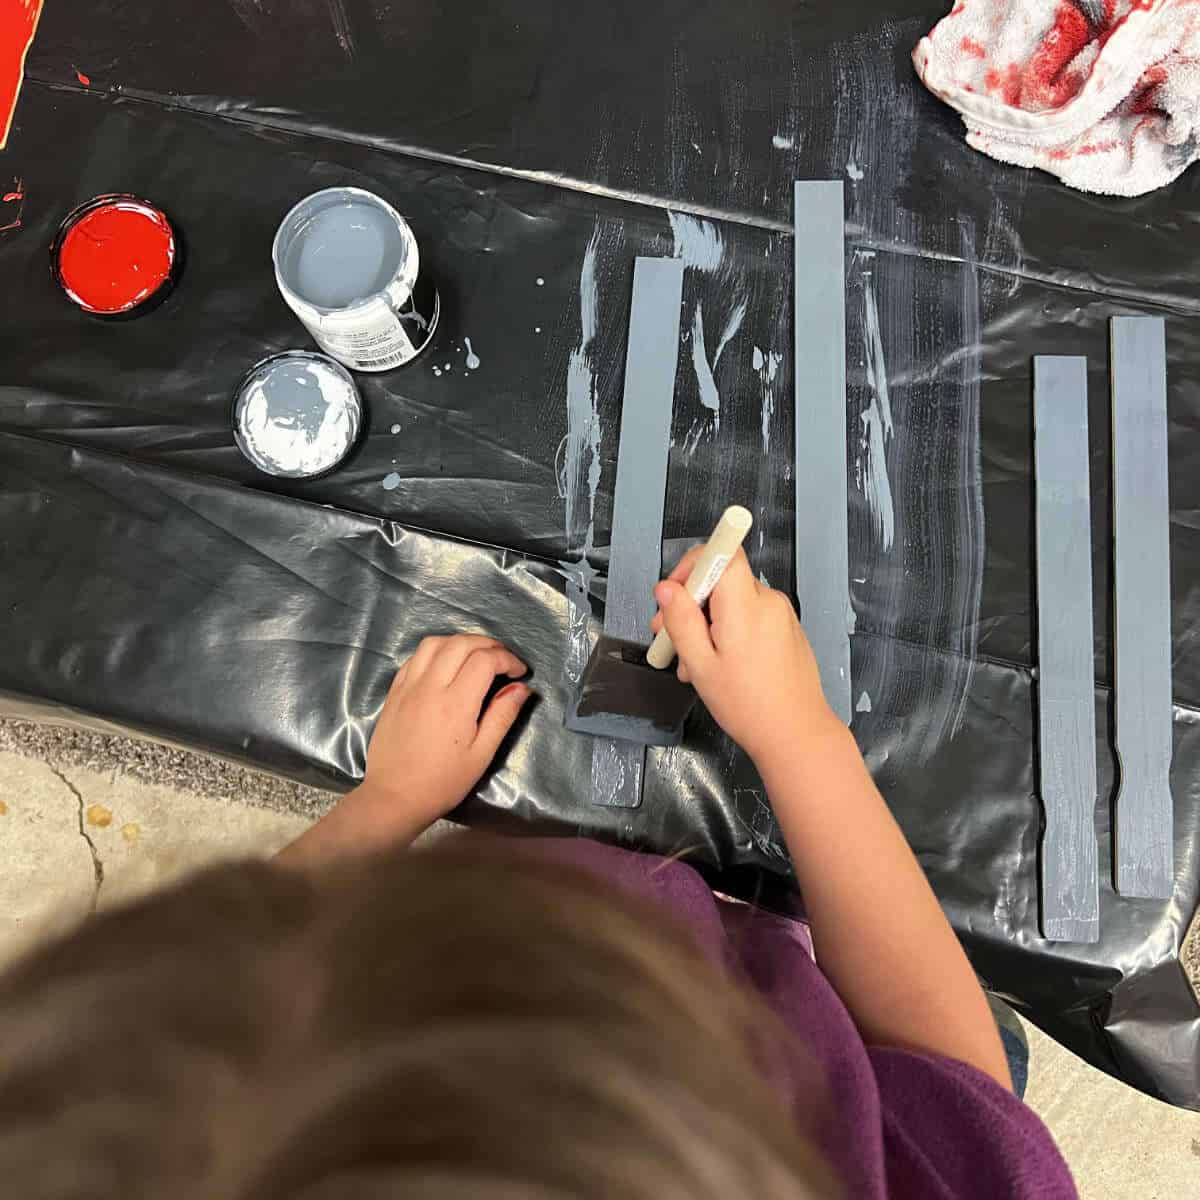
[472, 357]
[541, 282]
[853, 170]
[782, 142]
[396, 428]
[579, 476]
[438, 372]
[877, 425]
[766, 366]
[537, 329]
[864, 703]
[709, 396]
[445, 366]
[699, 243]
[297, 415]
[391, 481]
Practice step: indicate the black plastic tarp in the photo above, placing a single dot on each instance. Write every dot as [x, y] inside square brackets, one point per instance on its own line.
[150, 579]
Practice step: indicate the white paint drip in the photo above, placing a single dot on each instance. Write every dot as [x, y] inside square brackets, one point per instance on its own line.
[877, 425]
[853, 170]
[391, 481]
[782, 142]
[472, 358]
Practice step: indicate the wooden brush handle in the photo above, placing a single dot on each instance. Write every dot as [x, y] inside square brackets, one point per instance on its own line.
[729, 534]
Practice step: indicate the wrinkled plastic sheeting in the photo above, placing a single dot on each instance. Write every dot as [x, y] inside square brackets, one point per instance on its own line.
[255, 622]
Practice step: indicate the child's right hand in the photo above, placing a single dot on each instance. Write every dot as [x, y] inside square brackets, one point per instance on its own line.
[750, 661]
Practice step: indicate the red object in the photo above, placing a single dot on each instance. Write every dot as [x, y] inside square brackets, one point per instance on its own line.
[18, 24]
[114, 254]
[82, 78]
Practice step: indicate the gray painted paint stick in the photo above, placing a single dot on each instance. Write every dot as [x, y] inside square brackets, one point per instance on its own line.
[1143, 824]
[635, 556]
[822, 556]
[1065, 680]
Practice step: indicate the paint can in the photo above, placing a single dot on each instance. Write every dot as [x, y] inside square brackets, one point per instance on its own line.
[297, 415]
[348, 266]
[116, 256]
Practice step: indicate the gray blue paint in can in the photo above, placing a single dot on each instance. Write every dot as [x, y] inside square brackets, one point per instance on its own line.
[348, 266]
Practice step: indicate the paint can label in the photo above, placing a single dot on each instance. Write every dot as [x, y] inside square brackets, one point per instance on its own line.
[375, 337]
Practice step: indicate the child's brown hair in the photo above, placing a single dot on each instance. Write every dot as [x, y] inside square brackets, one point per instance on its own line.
[468, 1021]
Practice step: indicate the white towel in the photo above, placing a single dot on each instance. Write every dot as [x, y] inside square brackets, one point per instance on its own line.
[1105, 94]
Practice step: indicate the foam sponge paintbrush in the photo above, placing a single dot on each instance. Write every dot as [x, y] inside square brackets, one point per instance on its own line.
[626, 691]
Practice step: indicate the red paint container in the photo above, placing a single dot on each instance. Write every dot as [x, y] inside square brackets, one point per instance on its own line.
[116, 256]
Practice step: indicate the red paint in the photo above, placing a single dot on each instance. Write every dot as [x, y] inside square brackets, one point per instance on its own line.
[115, 256]
[18, 24]
[17, 197]
[1145, 96]
[970, 46]
[82, 78]
[1049, 82]
[1007, 82]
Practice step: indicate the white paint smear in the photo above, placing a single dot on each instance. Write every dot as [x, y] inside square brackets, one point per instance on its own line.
[697, 242]
[579, 476]
[704, 376]
[391, 481]
[766, 367]
[877, 425]
[853, 170]
[472, 357]
[782, 142]
[395, 428]
[864, 703]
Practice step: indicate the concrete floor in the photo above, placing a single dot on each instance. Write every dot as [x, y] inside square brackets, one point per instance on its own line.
[87, 821]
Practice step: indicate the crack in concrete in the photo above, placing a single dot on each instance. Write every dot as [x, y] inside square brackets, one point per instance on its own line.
[97, 862]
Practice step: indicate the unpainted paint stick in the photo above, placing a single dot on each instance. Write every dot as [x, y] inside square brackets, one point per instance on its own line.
[1066, 698]
[639, 496]
[822, 555]
[1143, 833]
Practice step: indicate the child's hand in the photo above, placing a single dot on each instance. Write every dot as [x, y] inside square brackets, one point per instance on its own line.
[750, 662]
[432, 744]
[430, 747]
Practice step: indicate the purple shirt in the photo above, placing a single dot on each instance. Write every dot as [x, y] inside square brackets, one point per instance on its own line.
[899, 1123]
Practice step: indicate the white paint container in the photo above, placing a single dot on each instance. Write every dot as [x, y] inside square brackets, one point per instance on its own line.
[297, 415]
[348, 266]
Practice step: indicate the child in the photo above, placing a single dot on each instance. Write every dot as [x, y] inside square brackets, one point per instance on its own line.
[546, 1019]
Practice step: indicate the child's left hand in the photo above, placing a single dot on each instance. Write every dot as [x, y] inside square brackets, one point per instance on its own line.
[432, 743]
[430, 747]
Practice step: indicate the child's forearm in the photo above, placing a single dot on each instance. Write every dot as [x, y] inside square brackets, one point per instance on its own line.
[363, 820]
[881, 937]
